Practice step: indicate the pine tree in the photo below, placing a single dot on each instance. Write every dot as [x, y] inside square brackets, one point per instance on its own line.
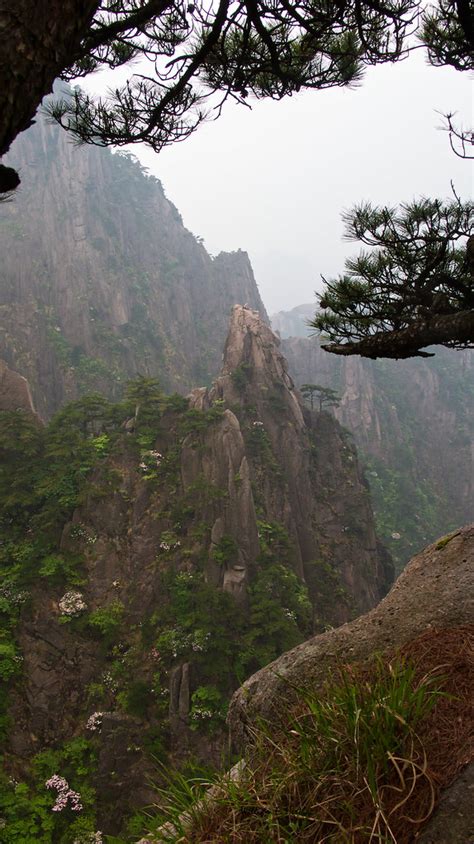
[414, 288]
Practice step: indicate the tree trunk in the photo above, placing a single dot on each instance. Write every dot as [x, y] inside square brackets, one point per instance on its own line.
[439, 330]
[38, 40]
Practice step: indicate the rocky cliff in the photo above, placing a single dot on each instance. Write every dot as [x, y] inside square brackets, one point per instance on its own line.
[165, 550]
[413, 423]
[100, 280]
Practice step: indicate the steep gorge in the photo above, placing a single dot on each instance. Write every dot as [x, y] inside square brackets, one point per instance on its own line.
[413, 424]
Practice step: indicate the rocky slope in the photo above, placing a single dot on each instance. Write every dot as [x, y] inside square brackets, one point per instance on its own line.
[100, 280]
[429, 616]
[413, 423]
[204, 542]
[347, 739]
[434, 592]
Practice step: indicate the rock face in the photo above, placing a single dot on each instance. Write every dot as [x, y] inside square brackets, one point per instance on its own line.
[205, 561]
[14, 391]
[100, 280]
[413, 424]
[435, 590]
[453, 819]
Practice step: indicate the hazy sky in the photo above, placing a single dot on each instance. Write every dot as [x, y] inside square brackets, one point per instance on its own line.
[273, 181]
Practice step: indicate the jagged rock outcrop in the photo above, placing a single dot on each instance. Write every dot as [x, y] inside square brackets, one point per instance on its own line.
[196, 559]
[100, 280]
[303, 465]
[434, 591]
[412, 422]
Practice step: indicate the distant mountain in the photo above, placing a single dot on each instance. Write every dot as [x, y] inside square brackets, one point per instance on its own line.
[293, 323]
[100, 280]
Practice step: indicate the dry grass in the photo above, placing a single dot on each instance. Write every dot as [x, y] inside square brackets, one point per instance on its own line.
[360, 762]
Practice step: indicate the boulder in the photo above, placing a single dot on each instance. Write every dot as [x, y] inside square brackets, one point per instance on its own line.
[14, 391]
[435, 590]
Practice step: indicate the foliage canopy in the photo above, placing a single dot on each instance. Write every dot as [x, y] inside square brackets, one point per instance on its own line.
[414, 288]
[186, 52]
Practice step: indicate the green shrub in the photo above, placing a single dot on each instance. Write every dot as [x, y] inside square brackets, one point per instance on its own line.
[225, 550]
[107, 619]
[136, 698]
[10, 660]
[241, 376]
[208, 709]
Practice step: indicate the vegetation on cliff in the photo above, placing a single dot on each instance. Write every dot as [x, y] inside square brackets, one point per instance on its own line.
[157, 551]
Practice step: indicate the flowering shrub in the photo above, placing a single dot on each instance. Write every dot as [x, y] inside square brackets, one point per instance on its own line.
[90, 838]
[79, 531]
[207, 707]
[72, 604]
[184, 577]
[94, 722]
[168, 541]
[11, 597]
[65, 795]
[176, 641]
[109, 682]
[150, 461]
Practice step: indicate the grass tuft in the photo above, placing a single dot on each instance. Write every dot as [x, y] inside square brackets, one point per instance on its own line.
[358, 762]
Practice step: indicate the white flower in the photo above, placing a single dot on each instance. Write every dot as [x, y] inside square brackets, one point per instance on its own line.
[64, 795]
[94, 722]
[72, 604]
[147, 457]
